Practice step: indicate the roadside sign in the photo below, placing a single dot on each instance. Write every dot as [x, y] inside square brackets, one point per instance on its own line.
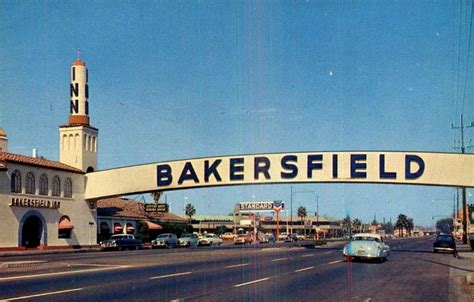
[157, 207]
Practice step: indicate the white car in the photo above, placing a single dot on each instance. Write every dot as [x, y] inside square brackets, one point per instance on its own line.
[210, 239]
[366, 246]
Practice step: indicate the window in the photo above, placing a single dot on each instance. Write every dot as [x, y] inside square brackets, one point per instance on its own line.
[65, 227]
[68, 188]
[56, 186]
[30, 183]
[43, 185]
[16, 182]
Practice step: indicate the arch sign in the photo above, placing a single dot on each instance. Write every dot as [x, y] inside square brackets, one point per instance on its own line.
[414, 168]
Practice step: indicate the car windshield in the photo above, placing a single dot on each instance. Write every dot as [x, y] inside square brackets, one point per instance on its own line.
[446, 239]
[162, 236]
[365, 238]
[187, 235]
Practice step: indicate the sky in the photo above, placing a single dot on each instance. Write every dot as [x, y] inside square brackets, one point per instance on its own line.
[184, 79]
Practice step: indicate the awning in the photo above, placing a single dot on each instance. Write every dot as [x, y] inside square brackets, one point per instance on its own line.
[118, 228]
[153, 226]
[65, 224]
[130, 229]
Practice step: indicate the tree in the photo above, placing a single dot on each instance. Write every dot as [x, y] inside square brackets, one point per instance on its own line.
[388, 227]
[302, 214]
[402, 223]
[357, 224]
[409, 225]
[346, 225]
[445, 225]
[190, 211]
[156, 195]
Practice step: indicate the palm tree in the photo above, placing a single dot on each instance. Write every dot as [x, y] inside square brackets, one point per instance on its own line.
[156, 195]
[410, 225]
[357, 225]
[190, 211]
[346, 224]
[302, 214]
[402, 223]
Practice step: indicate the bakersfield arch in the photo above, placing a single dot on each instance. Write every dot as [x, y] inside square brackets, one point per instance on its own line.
[376, 167]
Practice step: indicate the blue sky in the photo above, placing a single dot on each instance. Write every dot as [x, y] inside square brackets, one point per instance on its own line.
[183, 79]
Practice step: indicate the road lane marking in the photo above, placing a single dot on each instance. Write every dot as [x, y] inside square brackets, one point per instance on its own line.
[279, 259]
[307, 255]
[237, 265]
[171, 275]
[304, 269]
[44, 294]
[334, 262]
[252, 282]
[63, 273]
[328, 252]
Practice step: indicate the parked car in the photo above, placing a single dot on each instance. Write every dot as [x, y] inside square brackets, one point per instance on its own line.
[300, 237]
[121, 242]
[444, 243]
[210, 239]
[366, 246]
[243, 239]
[282, 236]
[292, 237]
[188, 240]
[167, 240]
[267, 238]
[228, 236]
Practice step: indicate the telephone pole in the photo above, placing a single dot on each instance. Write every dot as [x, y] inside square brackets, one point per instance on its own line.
[462, 147]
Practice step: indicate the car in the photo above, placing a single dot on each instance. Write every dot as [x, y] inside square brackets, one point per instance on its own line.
[210, 239]
[282, 236]
[444, 243]
[187, 240]
[267, 238]
[366, 246]
[228, 236]
[167, 240]
[121, 242]
[300, 237]
[292, 237]
[243, 239]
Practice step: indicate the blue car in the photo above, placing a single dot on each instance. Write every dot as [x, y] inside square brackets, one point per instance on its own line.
[366, 246]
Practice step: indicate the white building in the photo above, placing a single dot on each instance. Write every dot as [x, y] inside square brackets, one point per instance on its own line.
[42, 202]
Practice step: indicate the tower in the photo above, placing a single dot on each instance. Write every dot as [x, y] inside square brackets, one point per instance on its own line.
[3, 141]
[78, 140]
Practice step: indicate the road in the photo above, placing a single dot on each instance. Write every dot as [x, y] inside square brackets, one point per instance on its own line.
[229, 273]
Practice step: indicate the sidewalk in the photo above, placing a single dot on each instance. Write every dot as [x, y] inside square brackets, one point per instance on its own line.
[459, 289]
[46, 252]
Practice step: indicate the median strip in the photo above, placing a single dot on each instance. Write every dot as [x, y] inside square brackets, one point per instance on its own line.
[45, 294]
[237, 265]
[171, 275]
[252, 282]
[304, 269]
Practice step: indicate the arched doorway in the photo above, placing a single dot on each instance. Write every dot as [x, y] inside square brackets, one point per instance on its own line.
[32, 232]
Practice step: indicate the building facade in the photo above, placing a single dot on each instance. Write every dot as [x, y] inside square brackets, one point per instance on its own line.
[42, 202]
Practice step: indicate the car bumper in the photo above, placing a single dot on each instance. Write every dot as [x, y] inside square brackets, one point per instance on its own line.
[444, 249]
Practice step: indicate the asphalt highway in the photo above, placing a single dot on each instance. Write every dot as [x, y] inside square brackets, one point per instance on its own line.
[274, 273]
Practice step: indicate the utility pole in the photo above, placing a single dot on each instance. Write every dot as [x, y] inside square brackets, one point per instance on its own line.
[463, 189]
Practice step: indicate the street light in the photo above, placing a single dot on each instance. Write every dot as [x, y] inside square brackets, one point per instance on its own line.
[291, 203]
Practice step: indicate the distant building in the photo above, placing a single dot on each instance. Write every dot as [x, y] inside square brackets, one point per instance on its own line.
[122, 216]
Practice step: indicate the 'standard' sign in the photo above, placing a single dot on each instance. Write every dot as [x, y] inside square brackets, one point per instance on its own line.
[416, 168]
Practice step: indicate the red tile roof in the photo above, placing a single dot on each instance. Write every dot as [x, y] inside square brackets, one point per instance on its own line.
[124, 207]
[6, 157]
